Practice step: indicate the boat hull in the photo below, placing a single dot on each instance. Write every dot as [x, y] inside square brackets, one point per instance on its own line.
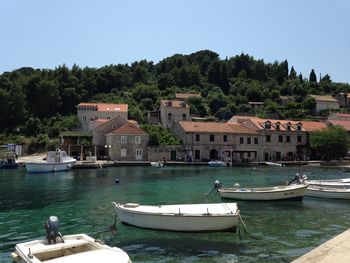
[48, 167]
[329, 183]
[295, 193]
[330, 193]
[179, 222]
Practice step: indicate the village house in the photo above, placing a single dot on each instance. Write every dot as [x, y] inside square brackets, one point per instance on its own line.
[280, 139]
[89, 114]
[172, 111]
[185, 96]
[339, 119]
[325, 102]
[128, 143]
[212, 140]
[256, 105]
[283, 100]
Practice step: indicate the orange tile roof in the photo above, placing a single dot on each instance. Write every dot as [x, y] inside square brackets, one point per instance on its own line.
[344, 124]
[311, 126]
[214, 127]
[129, 129]
[174, 103]
[106, 106]
[342, 115]
[136, 123]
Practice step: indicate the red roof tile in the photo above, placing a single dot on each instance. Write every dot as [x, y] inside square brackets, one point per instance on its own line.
[129, 129]
[174, 103]
[344, 124]
[214, 127]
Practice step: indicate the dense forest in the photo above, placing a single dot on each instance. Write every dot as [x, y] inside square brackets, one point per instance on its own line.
[41, 102]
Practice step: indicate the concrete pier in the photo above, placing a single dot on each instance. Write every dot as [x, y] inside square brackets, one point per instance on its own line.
[336, 250]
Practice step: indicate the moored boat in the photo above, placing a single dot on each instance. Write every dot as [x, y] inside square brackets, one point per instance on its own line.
[157, 164]
[281, 192]
[217, 164]
[338, 183]
[8, 160]
[55, 161]
[180, 217]
[67, 249]
[327, 192]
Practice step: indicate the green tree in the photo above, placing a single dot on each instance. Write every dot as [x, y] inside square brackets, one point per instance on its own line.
[312, 77]
[332, 142]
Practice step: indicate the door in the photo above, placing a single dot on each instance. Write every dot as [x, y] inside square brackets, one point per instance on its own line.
[139, 154]
[266, 156]
[173, 155]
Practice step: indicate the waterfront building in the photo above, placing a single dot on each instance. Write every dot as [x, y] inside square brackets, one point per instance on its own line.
[205, 141]
[325, 102]
[128, 143]
[91, 114]
[172, 111]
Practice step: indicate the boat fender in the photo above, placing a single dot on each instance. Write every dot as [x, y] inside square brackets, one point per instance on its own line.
[15, 256]
[236, 185]
[117, 181]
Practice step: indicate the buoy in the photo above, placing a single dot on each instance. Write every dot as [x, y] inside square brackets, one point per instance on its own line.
[117, 181]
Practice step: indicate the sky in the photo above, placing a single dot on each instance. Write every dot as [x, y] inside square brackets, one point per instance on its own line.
[310, 34]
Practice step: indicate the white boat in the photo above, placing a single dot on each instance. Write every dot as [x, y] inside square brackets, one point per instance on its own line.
[281, 192]
[338, 183]
[217, 164]
[157, 164]
[273, 164]
[327, 192]
[55, 161]
[180, 217]
[67, 249]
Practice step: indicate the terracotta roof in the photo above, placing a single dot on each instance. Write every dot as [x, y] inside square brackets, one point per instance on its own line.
[323, 98]
[136, 123]
[260, 123]
[214, 127]
[106, 106]
[185, 96]
[129, 129]
[311, 126]
[174, 103]
[342, 115]
[344, 124]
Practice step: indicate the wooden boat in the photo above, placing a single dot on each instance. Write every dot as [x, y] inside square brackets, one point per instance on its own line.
[180, 217]
[67, 249]
[55, 161]
[217, 164]
[327, 192]
[282, 192]
[273, 164]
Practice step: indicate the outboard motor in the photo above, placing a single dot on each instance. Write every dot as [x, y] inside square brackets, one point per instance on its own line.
[52, 227]
[217, 186]
[298, 179]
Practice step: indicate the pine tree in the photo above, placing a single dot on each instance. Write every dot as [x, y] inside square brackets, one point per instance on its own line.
[312, 77]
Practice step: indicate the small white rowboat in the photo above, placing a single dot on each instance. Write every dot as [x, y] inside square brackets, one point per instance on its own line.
[339, 183]
[181, 217]
[282, 192]
[327, 192]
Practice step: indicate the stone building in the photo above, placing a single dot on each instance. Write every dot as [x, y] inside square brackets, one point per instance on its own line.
[172, 111]
[185, 96]
[91, 113]
[128, 143]
[325, 102]
[212, 140]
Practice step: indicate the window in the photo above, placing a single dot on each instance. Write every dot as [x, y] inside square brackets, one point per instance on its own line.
[277, 125]
[249, 154]
[288, 126]
[124, 139]
[268, 138]
[212, 138]
[256, 141]
[287, 138]
[198, 137]
[108, 118]
[197, 154]
[299, 138]
[280, 138]
[249, 141]
[299, 125]
[225, 138]
[241, 140]
[267, 125]
[184, 116]
[123, 152]
[137, 139]
[170, 116]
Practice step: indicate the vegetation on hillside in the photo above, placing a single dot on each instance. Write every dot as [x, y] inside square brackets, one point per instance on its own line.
[160, 136]
[42, 101]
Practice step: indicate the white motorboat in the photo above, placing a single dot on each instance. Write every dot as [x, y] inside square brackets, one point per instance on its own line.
[273, 164]
[281, 192]
[180, 217]
[157, 164]
[55, 161]
[327, 192]
[217, 164]
[338, 183]
[67, 249]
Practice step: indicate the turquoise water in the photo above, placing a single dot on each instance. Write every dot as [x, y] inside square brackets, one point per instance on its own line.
[282, 231]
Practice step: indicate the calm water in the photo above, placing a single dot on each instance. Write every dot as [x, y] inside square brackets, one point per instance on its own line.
[82, 200]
